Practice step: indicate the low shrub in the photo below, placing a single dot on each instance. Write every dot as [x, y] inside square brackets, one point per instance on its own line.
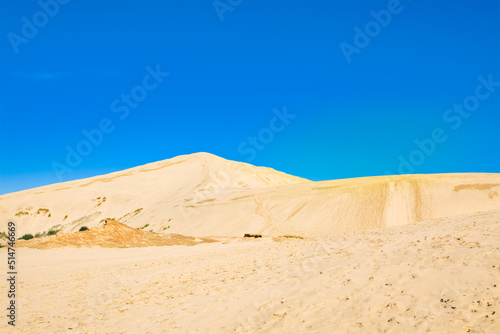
[83, 228]
[53, 232]
[27, 237]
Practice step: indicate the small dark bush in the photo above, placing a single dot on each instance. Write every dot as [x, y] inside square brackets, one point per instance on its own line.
[52, 232]
[27, 237]
[83, 228]
[252, 236]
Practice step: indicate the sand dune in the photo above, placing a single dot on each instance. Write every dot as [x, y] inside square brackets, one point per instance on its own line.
[439, 276]
[389, 254]
[204, 195]
[111, 235]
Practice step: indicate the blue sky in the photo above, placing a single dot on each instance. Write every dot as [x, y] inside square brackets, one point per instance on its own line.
[318, 89]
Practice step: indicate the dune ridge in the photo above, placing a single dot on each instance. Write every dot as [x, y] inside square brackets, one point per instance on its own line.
[205, 195]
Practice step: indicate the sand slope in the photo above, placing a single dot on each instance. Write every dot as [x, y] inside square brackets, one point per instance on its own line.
[111, 235]
[440, 276]
[203, 195]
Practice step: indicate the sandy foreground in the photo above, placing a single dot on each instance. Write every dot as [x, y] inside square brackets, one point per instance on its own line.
[440, 276]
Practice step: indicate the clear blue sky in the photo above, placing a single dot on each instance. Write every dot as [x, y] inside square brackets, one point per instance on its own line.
[359, 101]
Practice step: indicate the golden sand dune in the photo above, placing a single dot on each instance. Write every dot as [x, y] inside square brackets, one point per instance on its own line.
[111, 235]
[203, 195]
[439, 276]
[389, 254]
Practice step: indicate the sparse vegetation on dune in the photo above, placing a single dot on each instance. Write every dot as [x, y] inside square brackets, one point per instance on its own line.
[53, 232]
[143, 227]
[42, 211]
[252, 236]
[22, 213]
[99, 200]
[292, 237]
[130, 215]
[39, 211]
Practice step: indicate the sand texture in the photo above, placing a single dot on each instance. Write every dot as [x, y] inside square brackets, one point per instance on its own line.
[439, 276]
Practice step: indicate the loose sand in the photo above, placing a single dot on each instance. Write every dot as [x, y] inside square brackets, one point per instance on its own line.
[440, 276]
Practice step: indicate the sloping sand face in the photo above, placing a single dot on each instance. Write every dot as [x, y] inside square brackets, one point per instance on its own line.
[111, 235]
[439, 276]
[204, 195]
